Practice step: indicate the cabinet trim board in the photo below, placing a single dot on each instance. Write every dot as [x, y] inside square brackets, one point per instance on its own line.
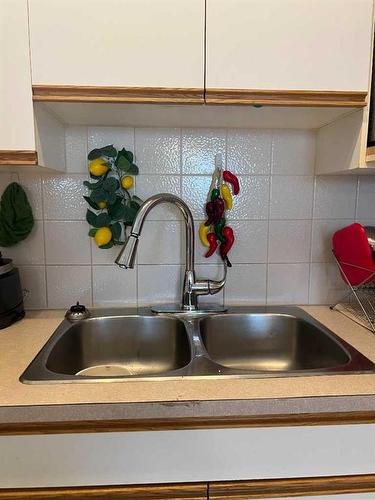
[194, 491]
[312, 98]
[295, 487]
[18, 157]
[77, 93]
[165, 95]
[135, 425]
[226, 490]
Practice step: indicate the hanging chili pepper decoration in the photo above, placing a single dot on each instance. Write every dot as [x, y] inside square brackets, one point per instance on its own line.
[211, 237]
[214, 232]
[228, 241]
[219, 230]
[233, 180]
[227, 196]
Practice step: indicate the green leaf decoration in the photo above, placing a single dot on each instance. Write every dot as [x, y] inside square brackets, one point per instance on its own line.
[91, 203]
[111, 184]
[129, 214]
[116, 231]
[116, 210]
[123, 164]
[98, 195]
[91, 218]
[121, 208]
[108, 245]
[111, 198]
[102, 220]
[133, 169]
[137, 200]
[109, 151]
[94, 154]
[128, 155]
[135, 205]
[96, 177]
[93, 185]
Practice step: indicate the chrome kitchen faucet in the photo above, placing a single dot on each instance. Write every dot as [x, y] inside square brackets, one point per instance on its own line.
[192, 287]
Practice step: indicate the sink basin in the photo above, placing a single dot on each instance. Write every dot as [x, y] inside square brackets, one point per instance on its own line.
[245, 342]
[270, 342]
[130, 346]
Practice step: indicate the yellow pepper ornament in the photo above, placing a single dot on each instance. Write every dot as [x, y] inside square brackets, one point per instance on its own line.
[203, 231]
[227, 196]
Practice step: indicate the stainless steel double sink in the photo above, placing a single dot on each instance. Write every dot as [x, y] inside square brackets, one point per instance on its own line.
[113, 345]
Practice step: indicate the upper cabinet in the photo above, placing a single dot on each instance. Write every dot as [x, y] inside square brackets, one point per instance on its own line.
[288, 52]
[151, 51]
[17, 139]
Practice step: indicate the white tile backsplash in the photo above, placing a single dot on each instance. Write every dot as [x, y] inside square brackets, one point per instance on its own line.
[158, 150]
[76, 149]
[113, 286]
[253, 199]
[29, 251]
[63, 197]
[335, 197]
[289, 241]
[293, 152]
[147, 185]
[67, 242]
[67, 284]
[288, 284]
[291, 197]
[33, 279]
[246, 284]
[249, 151]
[199, 147]
[159, 283]
[98, 137]
[366, 198]
[283, 220]
[162, 242]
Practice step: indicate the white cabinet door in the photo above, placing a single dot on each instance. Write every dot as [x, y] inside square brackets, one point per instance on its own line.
[289, 44]
[16, 107]
[126, 43]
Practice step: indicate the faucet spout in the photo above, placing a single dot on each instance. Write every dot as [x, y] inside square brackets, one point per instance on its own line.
[127, 254]
[192, 288]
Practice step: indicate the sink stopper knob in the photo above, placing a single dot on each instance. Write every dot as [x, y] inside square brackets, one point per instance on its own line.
[77, 312]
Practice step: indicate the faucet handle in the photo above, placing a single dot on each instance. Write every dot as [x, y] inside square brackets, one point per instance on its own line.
[210, 287]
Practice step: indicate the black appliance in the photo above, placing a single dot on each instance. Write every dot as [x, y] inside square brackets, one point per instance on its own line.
[11, 295]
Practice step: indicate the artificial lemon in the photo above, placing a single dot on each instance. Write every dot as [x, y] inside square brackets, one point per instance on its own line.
[98, 167]
[127, 182]
[102, 204]
[103, 236]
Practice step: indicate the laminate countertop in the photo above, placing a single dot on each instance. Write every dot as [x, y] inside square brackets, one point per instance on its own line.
[185, 402]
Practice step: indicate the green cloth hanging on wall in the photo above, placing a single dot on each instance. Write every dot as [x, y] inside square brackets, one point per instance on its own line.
[16, 216]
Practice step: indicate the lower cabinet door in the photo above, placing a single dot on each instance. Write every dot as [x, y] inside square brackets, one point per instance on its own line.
[255, 456]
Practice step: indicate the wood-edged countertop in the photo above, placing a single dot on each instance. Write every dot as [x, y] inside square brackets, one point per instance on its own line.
[181, 403]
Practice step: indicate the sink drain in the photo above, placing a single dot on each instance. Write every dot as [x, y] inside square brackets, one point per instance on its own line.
[107, 371]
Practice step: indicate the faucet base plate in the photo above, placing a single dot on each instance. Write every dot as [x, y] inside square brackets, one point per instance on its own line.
[177, 309]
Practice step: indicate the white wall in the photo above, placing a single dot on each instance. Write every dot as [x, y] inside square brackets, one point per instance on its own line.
[283, 219]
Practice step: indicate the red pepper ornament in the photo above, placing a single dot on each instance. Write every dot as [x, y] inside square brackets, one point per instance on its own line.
[233, 180]
[211, 237]
[227, 245]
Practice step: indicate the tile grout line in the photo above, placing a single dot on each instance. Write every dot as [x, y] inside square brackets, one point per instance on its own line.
[312, 221]
[226, 168]
[357, 198]
[269, 213]
[44, 242]
[135, 192]
[91, 240]
[311, 242]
